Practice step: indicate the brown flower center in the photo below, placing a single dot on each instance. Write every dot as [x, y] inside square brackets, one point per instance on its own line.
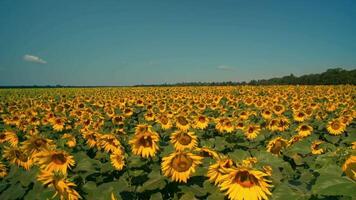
[145, 141]
[335, 125]
[184, 139]
[59, 158]
[181, 163]
[182, 120]
[245, 179]
[39, 142]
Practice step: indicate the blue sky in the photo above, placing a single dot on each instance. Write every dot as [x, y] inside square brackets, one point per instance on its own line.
[132, 42]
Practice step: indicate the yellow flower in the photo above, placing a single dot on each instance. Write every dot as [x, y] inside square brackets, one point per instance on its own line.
[251, 131]
[3, 170]
[245, 183]
[182, 123]
[315, 148]
[109, 142]
[304, 130]
[217, 171]
[201, 122]
[62, 186]
[276, 145]
[16, 156]
[182, 140]
[349, 167]
[71, 141]
[117, 160]
[145, 144]
[336, 127]
[179, 166]
[55, 160]
[207, 152]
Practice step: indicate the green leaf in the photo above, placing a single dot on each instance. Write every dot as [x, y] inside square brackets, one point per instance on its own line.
[239, 155]
[15, 191]
[188, 196]
[287, 191]
[216, 196]
[39, 192]
[330, 184]
[156, 196]
[194, 189]
[155, 181]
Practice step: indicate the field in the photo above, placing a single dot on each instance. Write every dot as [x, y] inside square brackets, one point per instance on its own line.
[243, 142]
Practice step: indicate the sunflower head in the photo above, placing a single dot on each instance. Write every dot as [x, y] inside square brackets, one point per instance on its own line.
[184, 140]
[336, 127]
[145, 144]
[349, 167]
[276, 145]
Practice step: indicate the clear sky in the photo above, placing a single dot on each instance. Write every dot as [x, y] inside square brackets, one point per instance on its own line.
[92, 42]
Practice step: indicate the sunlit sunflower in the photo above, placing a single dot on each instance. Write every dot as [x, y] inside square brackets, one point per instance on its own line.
[276, 145]
[16, 156]
[349, 167]
[145, 144]
[207, 152]
[35, 144]
[278, 109]
[164, 121]
[201, 122]
[59, 182]
[91, 138]
[71, 141]
[128, 112]
[217, 171]
[184, 140]
[109, 142]
[149, 116]
[58, 124]
[294, 139]
[304, 130]
[179, 166]
[251, 131]
[315, 149]
[3, 170]
[335, 127]
[10, 137]
[117, 160]
[182, 123]
[299, 116]
[266, 114]
[55, 160]
[246, 183]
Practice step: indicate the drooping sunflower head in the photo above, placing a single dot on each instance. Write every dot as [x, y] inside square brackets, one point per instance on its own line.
[55, 160]
[109, 142]
[276, 145]
[35, 144]
[179, 166]
[184, 140]
[117, 160]
[145, 144]
[217, 171]
[207, 152]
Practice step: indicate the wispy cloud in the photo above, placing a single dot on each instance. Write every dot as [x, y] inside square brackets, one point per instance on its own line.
[225, 68]
[34, 59]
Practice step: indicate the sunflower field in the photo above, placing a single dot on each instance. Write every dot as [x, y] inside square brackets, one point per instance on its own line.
[241, 142]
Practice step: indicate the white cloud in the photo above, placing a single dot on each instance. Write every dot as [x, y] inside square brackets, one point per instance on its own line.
[35, 59]
[225, 67]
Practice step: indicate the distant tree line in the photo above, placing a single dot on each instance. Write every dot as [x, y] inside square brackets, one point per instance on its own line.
[335, 76]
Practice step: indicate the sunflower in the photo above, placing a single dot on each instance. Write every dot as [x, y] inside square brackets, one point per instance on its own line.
[54, 160]
[11, 137]
[315, 148]
[128, 112]
[201, 122]
[117, 160]
[109, 143]
[36, 144]
[3, 170]
[349, 167]
[63, 187]
[294, 139]
[182, 123]
[278, 109]
[141, 128]
[149, 116]
[276, 145]
[71, 141]
[145, 144]
[304, 130]
[179, 166]
[58, 124]
[164, 121]
[335, 127]
[246, 183]
[16, 156]
[299, 116]
[217, 171]
[117, 119]
[251, 131]
[207, 152]
[266, 114]
[91, 138]
[182, 140]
